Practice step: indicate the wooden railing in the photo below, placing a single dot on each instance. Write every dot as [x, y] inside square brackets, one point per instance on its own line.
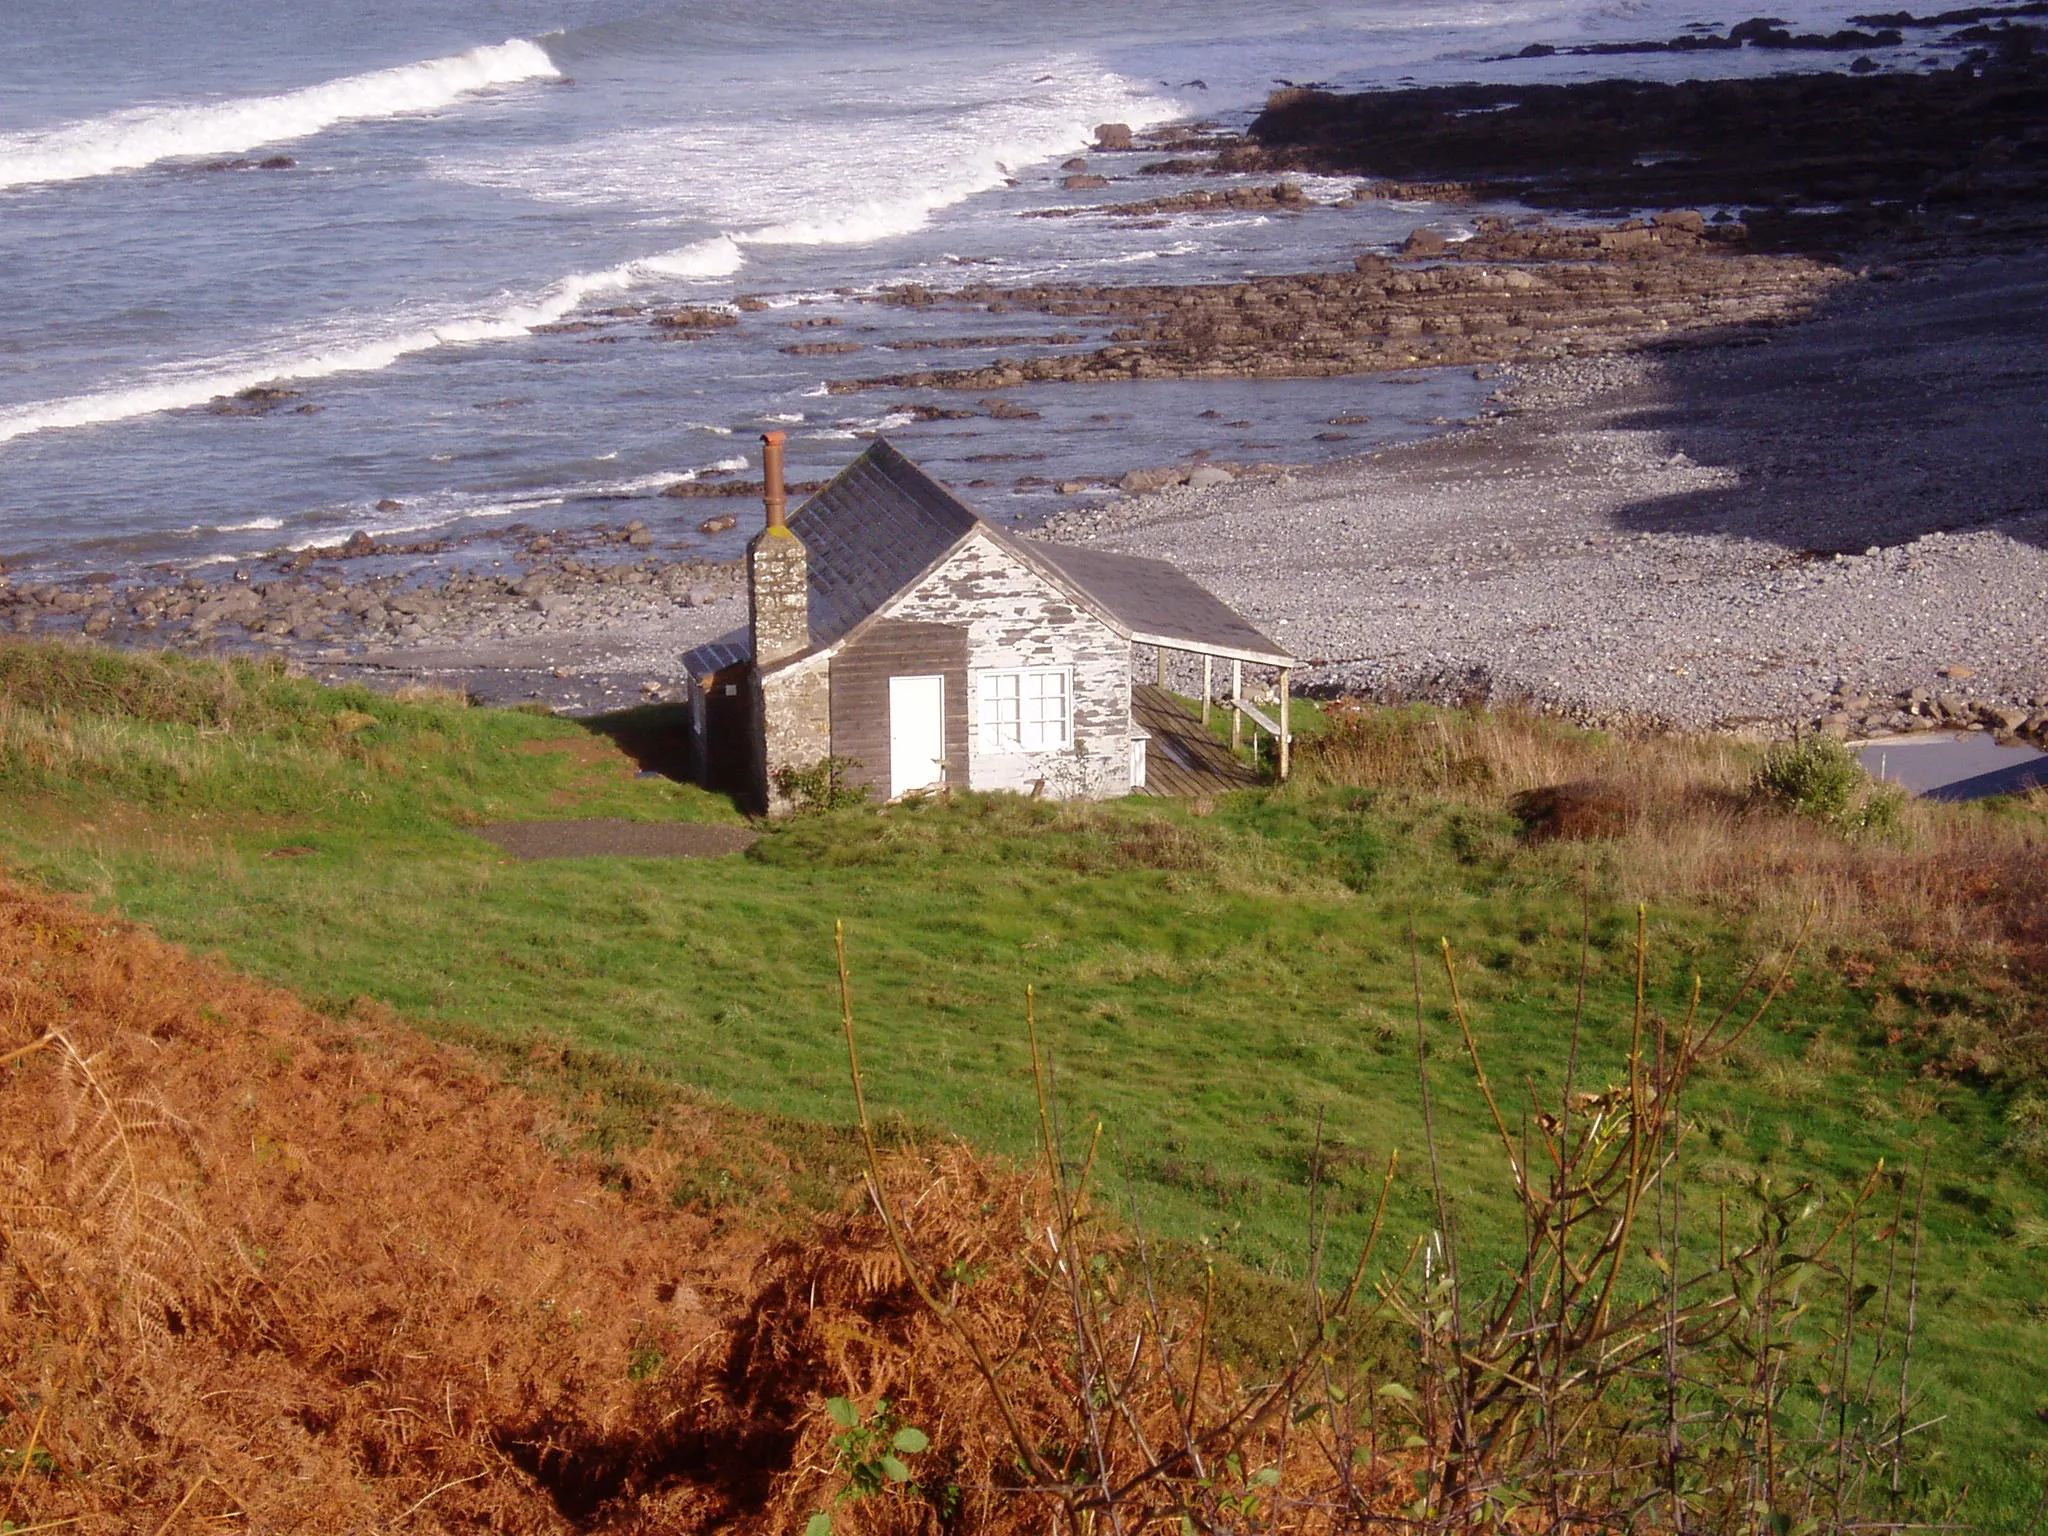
[1240, 707]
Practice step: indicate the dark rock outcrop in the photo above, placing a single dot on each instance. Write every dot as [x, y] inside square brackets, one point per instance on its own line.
[1282, 196]
[256, 400]
[1878, 149]
[1514, 291]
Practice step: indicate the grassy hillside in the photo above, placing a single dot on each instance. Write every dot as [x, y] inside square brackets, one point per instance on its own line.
[1214, 979]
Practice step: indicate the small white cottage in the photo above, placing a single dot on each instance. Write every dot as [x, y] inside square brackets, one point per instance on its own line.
[896, 629]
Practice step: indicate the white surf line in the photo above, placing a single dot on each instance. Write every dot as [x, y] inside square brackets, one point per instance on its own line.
[719, 256]
[189, 387]
[127, 141]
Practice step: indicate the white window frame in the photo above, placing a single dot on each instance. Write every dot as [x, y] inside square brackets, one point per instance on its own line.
[1024, 725]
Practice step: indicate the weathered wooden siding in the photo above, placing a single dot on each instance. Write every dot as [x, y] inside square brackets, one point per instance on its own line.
[860, 694]
[1015, 618]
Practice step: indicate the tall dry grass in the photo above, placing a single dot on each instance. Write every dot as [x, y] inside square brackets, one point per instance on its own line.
[1961, 889]
[1494, 753]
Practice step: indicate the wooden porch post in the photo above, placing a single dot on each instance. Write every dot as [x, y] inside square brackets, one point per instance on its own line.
[1286, 735]
[1236, 698]
[1208, 685]
[1159, 665]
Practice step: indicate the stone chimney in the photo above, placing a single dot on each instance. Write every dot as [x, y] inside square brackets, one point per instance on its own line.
[778, 571]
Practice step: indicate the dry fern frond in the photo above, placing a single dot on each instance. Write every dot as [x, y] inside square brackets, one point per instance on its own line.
[142, 1237]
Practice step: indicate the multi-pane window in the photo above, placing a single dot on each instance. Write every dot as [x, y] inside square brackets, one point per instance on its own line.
[1026, 711]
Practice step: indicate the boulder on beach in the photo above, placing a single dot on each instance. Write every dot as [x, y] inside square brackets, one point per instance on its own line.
[357, 545]
[1424, 242]
[1140, 482]
[1085, 183]
[1113, 136]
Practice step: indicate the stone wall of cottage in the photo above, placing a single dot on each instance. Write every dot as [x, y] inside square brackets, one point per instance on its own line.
[778, 595]
[1015, 618]
[793, 718]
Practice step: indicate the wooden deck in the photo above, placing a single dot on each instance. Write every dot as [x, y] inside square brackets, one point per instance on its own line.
[1182, 758]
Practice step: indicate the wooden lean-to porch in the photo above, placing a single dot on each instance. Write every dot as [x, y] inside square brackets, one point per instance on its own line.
[1183, 757]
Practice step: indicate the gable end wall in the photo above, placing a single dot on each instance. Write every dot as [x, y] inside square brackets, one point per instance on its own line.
[1015, 618]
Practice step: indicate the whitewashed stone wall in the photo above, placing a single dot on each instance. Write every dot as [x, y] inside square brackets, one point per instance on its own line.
[794, 714]
[1015, 618]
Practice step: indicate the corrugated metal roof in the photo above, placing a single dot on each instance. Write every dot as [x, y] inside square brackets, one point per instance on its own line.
[881, 522]
[716, 655]
[1155, 599]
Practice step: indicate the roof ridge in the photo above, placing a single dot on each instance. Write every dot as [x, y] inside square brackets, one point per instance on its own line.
[878, 523]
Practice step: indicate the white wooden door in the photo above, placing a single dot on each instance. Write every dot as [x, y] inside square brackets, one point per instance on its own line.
[917, 733]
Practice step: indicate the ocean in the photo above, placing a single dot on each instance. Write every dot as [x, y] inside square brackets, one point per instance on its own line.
[458, 192]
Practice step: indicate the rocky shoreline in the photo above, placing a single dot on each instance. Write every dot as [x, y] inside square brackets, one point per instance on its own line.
[1843, 527]
[1725, 483]
[1518, 290]
[578, 618]
[1819, 163]
[1576, 549]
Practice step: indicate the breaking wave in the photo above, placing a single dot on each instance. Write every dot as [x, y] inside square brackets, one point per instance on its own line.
[846, 188]
[196, 384]
[127, 141]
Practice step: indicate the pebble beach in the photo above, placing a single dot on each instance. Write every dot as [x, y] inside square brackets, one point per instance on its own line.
[1840, 512]
[1713, 436]
[1839, 522]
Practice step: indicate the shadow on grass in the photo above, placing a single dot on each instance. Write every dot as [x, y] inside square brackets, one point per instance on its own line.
[655, 736]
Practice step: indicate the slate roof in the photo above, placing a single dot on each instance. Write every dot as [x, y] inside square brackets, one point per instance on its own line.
[883, 522]
[876, 526]
[1155, 600]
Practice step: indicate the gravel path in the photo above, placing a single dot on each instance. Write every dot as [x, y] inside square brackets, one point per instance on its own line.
[1714, 536]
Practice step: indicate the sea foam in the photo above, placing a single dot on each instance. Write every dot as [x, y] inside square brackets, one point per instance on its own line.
[865, 164]
[959, 151]
[196, 384]
[126, 141]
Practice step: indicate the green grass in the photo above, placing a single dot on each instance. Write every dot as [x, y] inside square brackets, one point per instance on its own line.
[1209, 984]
